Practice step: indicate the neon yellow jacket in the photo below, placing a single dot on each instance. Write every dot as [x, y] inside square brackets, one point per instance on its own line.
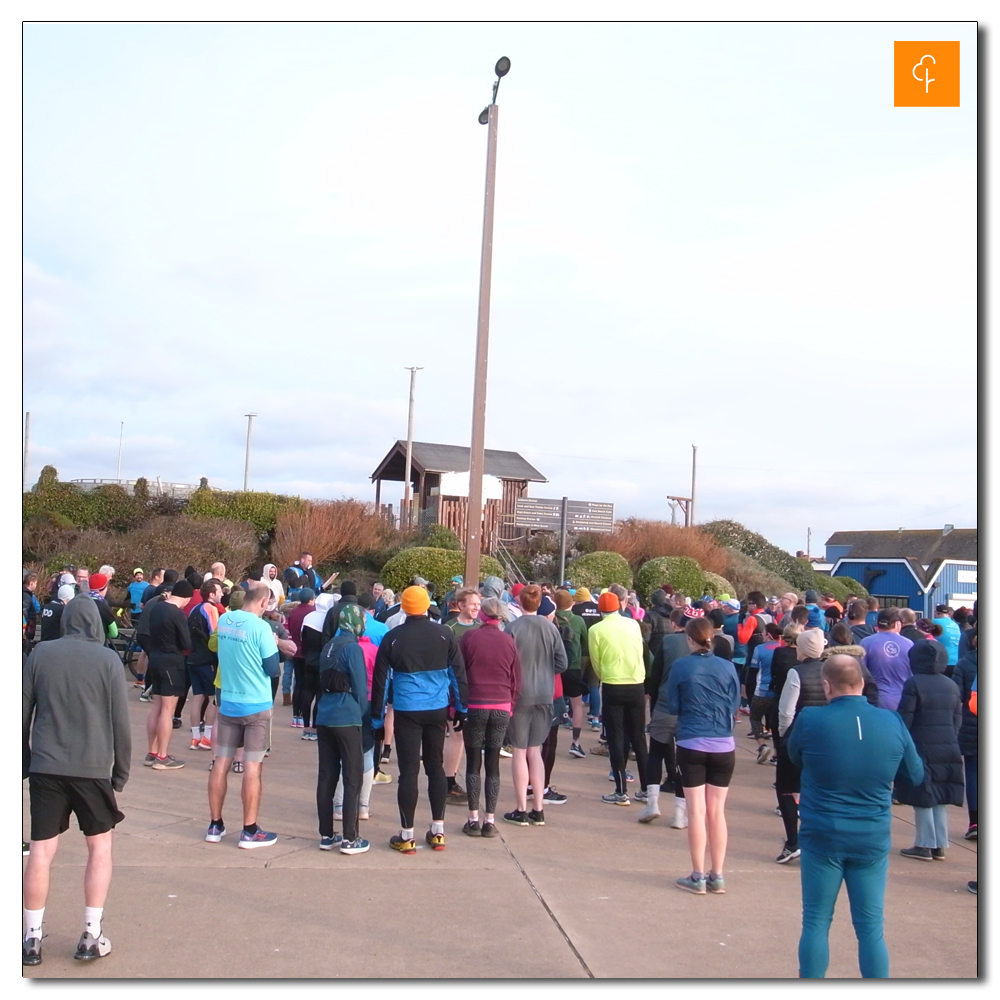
[615, 645]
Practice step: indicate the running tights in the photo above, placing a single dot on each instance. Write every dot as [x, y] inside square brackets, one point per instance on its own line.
[416, 734]
[484, 733]
[662, 758]
[625, 719]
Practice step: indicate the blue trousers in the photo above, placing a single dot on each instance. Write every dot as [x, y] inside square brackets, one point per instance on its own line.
[821, 879]
[286, 676]
[932, 826]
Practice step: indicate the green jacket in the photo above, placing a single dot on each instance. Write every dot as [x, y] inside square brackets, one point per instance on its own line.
[578, 642]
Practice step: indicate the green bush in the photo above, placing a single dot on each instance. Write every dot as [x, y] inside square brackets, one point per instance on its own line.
[599, 569]
[437, 536]
[260, 509]
[682, 572]
[851, 586]
[437, 566]
[715, 585]
[797, 572]
[747, 574]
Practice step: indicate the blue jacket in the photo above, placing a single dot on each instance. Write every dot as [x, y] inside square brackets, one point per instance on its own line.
[703, 691]
[424, 665]
[817, 617]
[951, 637]
[342, 665]
[850, 752]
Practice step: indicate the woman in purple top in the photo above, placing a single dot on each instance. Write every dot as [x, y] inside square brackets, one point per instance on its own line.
[703, 691]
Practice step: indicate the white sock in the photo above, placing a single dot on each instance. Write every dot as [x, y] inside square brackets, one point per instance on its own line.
[92, 919]
[652, 793]
[474, 816]
[33, 923]
[208, 732]
[437, 826]
[406, 834]
[196, 732]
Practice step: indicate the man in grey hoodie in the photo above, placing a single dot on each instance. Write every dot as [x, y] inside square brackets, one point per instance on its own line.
[76, 749]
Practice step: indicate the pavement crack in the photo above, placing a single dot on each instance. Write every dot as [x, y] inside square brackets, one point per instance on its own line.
[548, 909]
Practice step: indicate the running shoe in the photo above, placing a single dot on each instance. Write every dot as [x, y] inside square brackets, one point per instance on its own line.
[691, 884]
[310, 734]
[457, 792]
[338, 815]
[259, 839]
[91, 947]
[167, 764]
[194, 744]
[363, 812]
[149, 760]
[358, 846]
[403, 846]
[297, 722]
[31, 950]
[601, 750]
[763, 753]
[435, 840]
[744, 710]
[973, 832]
[917, 853]
[937, 854]
[790, 854]
[575, 750]
[629, 776]
[640, 795]
[489, 830]
[472, 828]
[216, 831]
[237, 766]
[177, 723]
[715, 883]
[25, 848]
[595, 726]
[536, 817]
[145, 697]
[204, 744]
[329, 843]
[386, 754]
[382, 778]
[506, 751]
[554, 798]
[518, 817]
[615, 799]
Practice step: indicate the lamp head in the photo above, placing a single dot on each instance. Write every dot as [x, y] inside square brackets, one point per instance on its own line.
[484, 116]
[502, 67]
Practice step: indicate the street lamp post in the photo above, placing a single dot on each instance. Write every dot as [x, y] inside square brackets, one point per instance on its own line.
[121, 435]
[408, 471]
[246, 462]
[477, 459]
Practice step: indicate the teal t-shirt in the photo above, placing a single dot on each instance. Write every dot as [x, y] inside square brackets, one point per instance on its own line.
[245, 641]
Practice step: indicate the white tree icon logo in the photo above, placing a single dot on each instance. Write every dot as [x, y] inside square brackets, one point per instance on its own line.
[926, 79]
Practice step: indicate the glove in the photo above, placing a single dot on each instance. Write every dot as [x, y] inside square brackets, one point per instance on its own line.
[459, 722]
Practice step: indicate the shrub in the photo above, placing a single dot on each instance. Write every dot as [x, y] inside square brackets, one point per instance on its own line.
[746, 574]
[437, 536]
[639, 541]
[715, 585]
[260, 509]
[437, 566]
[797, 572]
[851, 586]
[336, 531]
[599, 569]
[682, 572]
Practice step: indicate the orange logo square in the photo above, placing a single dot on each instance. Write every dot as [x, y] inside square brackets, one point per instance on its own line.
[925, 75]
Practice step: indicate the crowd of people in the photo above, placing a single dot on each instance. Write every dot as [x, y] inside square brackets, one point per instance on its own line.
[853, 705]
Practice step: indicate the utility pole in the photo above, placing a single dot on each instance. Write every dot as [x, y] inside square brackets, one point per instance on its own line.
[809, 535]
[694, 469]
[246, 463]
[121, 434]
[477, 456]
[24, 453]
[408, 473]
[562, 543]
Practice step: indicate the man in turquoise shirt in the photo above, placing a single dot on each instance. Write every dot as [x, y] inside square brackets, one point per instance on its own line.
[248, 659]
[849, 752]
[951, 634]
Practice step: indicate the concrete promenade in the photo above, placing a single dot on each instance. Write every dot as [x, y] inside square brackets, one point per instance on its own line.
[590, 894]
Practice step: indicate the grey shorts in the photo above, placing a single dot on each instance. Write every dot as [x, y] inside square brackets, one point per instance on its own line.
[252, 732]
[530, 725]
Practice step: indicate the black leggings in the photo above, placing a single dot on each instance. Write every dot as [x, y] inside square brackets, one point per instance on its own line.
[662, 756]
[339, 749]
[419, 733]
[305, 692]
[549, 752]
[624, 714]
[484, 730]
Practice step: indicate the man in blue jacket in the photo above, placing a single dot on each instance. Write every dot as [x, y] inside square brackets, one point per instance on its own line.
[849, 753]
[343, 711]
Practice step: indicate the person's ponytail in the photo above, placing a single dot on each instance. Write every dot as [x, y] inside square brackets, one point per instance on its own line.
[701, 632]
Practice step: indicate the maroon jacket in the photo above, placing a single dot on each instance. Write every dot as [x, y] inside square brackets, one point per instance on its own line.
[294, 624]
[492, 665]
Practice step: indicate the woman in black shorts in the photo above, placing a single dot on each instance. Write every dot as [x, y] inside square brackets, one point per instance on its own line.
[703, 691]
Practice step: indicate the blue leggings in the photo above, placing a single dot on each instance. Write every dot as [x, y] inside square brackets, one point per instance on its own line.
[821, 879]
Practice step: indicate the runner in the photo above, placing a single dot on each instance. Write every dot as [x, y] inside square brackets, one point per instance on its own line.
[703, 691]
[311, 645]
[248, 658]
[77, 746]
[886, 655]
[574, 636]
[493, 669]
[467, 601]
[202, 663]
[427, 676]
[50, 618]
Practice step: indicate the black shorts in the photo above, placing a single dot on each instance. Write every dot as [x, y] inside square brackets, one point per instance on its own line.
[202, 678]
[166, 681]
[573, 684]
[700, 768]
[53, 798]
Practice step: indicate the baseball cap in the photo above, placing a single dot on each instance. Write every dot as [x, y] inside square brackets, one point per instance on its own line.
[725, 597]
[731, 602]
[419, 581]
[138, 569]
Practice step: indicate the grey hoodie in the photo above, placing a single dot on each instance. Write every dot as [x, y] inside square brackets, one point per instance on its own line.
[74, 710]
[543, 655]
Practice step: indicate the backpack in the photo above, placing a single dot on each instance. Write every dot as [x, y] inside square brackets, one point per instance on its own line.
[569, 639]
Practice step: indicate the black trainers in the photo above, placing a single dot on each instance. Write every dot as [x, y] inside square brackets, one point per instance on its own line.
[575, 750]
[937, 854]
[90, 947]
[554, 798]
[536, 817]
[457, 792]
[917, 853]
[787, 854]
[518, 817]
[472, 828]
[31, 951]
[489, 830]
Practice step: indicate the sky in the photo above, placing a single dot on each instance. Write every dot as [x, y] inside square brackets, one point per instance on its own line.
[720, 235]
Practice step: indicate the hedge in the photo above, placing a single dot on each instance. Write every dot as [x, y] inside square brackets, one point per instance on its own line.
[599, 569]
[682, 572]
[260, 509]
[852, 585]
[715, 585]
[797, 572]
[437, 566]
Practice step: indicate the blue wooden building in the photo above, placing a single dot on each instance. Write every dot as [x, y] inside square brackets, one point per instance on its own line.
[910, 569]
